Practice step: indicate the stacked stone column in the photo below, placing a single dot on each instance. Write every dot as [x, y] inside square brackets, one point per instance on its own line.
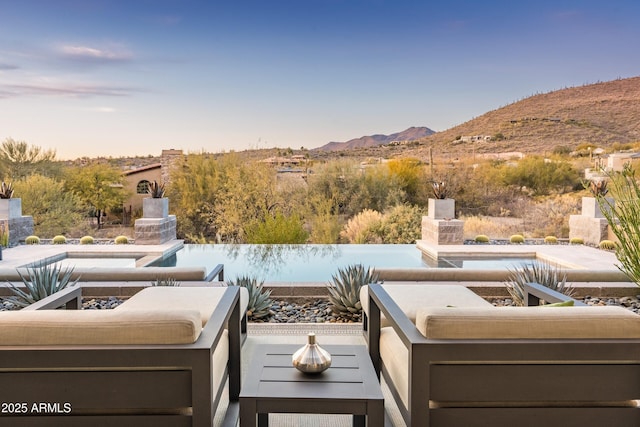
[591, 226]
[156, 225]
[12, 221]
[440, 226]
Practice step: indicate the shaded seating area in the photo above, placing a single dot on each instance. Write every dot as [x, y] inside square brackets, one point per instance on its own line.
[160, 359]
[452, 360]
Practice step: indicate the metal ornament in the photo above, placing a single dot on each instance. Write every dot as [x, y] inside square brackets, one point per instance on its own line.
[311, 359]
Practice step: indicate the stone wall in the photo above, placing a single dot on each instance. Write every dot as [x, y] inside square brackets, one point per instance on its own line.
[155, 231]
[442, 231]
[591, 230]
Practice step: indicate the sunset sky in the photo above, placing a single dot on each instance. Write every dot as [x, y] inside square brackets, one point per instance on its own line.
[131, 77]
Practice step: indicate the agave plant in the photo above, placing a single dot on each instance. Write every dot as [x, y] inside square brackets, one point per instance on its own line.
[6, 190]
[40, 282]
[344, 290]
[259, 301]
[156, 190]
[542, 273]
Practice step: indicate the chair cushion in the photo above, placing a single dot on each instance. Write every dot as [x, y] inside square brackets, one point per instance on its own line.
[202, 299]
[99, 327]
[411, 298]
[528, 322]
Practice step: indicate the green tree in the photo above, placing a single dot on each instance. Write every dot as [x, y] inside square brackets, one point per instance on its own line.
[216, 198]
[98, 186]
[18, 160]
[543, 176]
[54, 210]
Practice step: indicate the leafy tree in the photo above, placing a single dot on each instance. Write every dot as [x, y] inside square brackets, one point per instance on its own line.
[408, 173]
[216, 198]
[98, 186]
[54, 210]
[324, 224]
[542, 176]
[18, 160]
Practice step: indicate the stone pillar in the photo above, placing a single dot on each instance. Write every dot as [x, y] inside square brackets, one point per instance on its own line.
[169, 160]
[591, 226]
[440, 226]
[156, 225]
[12, 221]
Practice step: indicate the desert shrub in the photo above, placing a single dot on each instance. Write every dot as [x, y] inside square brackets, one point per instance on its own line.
[608, 245]
[86, 240]
[576, 241]
[361, 228]
[551, 240]
[121, 240]
[517, 238]
[550, 216]
[482, 238]
[32, 240]
[276, 229]
[59, 240]
[402, 224]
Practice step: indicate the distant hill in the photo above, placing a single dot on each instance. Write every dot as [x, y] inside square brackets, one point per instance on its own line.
[601, 113]
[411, 134]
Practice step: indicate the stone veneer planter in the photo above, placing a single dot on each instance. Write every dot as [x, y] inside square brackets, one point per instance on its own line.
[440, 226]
[19, 226]
[156, 225]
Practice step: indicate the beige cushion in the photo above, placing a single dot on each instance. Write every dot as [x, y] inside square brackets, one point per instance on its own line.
[202, 299]
[528, 322]
[411, 298]
[70, 327]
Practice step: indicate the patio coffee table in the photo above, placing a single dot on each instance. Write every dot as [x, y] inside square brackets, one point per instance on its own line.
[349, 386]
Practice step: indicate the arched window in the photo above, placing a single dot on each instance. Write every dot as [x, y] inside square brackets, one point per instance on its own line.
[143, 187]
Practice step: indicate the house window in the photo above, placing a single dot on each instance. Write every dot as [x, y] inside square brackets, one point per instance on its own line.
[143, 187]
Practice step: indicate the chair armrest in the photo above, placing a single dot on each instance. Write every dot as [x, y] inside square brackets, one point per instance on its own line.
[381, 302]
[534, 292]
[70, 298]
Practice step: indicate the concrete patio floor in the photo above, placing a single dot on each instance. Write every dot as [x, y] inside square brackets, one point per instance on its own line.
[265, 333]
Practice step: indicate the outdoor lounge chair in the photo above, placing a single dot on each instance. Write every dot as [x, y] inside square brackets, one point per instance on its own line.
[131, 366]
[490, 366]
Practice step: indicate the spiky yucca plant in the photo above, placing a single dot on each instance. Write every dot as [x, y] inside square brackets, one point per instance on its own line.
[6, 190]
[259, 301]
[40, 282]
[344, 290]
[542, 273]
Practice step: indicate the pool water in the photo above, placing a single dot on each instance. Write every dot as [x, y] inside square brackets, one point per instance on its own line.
[313, 263]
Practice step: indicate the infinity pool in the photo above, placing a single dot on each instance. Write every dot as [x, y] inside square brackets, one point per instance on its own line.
[316, 263]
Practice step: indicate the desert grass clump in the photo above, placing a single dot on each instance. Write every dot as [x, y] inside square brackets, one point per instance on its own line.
[481, 238]
[360, 228]
[608, 245]
[259, 302]
[86, 240]
[517, 239]
[551, 240]
[32, 240]
[576, 241]
[121, 240]
[59, 240]
[344, 290]
[40, 282]
[542, 273]
[497, 227]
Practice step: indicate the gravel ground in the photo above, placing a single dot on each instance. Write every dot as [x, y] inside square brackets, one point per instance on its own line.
[319, 311]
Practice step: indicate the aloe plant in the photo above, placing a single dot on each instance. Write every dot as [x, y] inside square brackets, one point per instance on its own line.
[344, 290]
[259, 301]
[40, 282]
[542, 273]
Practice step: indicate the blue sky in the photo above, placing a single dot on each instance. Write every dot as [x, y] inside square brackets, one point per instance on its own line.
[131, 77]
